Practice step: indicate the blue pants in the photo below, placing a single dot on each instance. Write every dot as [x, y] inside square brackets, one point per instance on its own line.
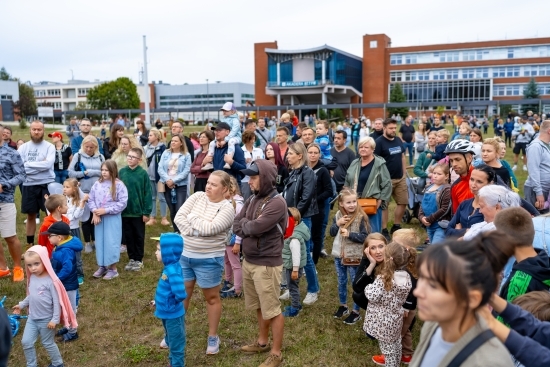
[409, 147]
[61, 176]
[342, 272]
[436, 234]
[355, 139]
[175, 339]
[34, 328]
[325, 220]
[309, 269]
[376, 221]
[162, 201]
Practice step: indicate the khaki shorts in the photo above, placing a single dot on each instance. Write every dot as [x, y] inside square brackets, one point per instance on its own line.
[399, 191]
[8, 216]
[262, 288]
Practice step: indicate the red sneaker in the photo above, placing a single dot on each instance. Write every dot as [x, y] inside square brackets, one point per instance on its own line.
[4, 273]
[379, 360]
[406, 359]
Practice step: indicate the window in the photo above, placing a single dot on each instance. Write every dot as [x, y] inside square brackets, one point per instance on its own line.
[512, 71]
[53, 92]
[6, 97]
[411, 76]
[512, 90]
[510, 53]
[544, 70]
[499, 72]
[448, 56]
[530, 70]
[423, 75]
[83, 91]
[468, 55]
[482, 73]
[452, 74]
[498, 90]
[373, 44]
[39, 93]
[396, 59]
[467, 73]
[395, 76]
[410, 59]
[480, 55]
[439, 75]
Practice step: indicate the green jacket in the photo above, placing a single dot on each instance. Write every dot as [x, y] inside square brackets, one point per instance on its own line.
[137, 182]
[378, 185]
[300, 233]
[422, 164]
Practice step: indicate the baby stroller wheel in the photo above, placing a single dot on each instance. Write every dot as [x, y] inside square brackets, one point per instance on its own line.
[407, 216]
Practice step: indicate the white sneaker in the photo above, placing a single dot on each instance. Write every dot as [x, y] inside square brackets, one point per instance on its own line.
[515, 167]
[25, 221]
[163, 344]
[123, 249]
[88, 248]
[207, 167]
[310, 299]
[37, 220]
[130, 265]
[285, 295]
[524, 167]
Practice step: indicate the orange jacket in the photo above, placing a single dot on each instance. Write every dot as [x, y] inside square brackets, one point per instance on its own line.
[43, 239]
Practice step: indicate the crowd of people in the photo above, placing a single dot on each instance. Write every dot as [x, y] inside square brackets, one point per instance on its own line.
[249, 204]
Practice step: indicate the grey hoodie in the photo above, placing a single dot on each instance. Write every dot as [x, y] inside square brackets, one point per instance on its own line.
[38, 160]
[93, 168]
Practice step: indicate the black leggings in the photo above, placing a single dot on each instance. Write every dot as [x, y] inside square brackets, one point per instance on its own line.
[508, 139]
[88, 229]
[181, 196]
[316, 236]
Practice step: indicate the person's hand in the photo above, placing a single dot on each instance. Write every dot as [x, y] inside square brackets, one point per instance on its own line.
[344, 232]
[331, 173]
[458, 226]
[248, 160]
[99, 212]
[539, 204]
[369, 256]
[425, 222]
[1, 189]
[236, 248]
[294, 275]
[170, 184]
[85, 197]
[16, 310]
[228, 159]
[85, 173]
[207, 159]
[51, 325]
[378, 203]
[46, 196]
[145, 218]
[429, 155]
[342, 221]
[96, 219]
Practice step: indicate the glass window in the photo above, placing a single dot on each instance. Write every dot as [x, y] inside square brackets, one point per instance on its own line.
[467, 73]
[396, 59]
[452, 74]
[423, 75]
[439, 74]
[410, 59]
[482, 73]
[395, 76]
[512, 71]
[468, 55]
[510, 53]
[499, 72]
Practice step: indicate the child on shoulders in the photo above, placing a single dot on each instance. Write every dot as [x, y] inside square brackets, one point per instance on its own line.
[323, 140]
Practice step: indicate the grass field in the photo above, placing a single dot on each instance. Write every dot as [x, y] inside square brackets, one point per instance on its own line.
[118, 328]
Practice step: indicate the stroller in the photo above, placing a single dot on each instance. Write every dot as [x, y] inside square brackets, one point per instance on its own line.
[415, 186]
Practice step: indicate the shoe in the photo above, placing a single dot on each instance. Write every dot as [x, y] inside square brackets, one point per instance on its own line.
[111, 274]
[386, 234]
[25, 221]
[164, 222]
[100, 272]
[18, 274]
[289, 307]
[352, 318]
[524, 167]
[213, 345]
[137, 266]
[130, 265]
[291, 312]
[207, 167]
[285, 296]
[123, 249]
[406, 359]
[515, 167]
[70, 337]
[341, 312]
[284, 287]
[5, 273]
[163, 344]
[88, 248]
[80, 280]
[255, 348]
[232, 294]
[310, 299]
[226, 286]
[37, 220]
[59, 365]
[395, 227]
[62, 331]
[273, 361]
[151, 222]
[323, 254]
[379, 360]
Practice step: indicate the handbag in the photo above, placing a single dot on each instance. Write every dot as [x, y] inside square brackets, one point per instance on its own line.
[161, 187]
[369, 205]
[351, 253]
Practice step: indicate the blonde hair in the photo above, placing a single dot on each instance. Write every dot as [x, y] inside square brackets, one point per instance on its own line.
[445, 133]
[89, 139]
[285, 117]
[376, 237]
[467, 127]
[73, 182]
[295, 214]
[358, 210]
[157, 133]
[367, 140]
[494, 143]
[300, 149]
[409, 238]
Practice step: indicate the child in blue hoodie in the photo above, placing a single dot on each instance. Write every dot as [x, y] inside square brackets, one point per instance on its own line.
[64, 264]
[231, 118]
[170, 295]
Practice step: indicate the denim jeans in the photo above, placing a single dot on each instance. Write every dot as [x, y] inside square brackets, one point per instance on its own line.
[376, 221]
[61, 176]
[355, 139]
[342, 272]
[294, 287]
[325, 220]
[162, 201]
[34, 328]
[309, 269]
[175, 339]
[436, 234]
[409, 147]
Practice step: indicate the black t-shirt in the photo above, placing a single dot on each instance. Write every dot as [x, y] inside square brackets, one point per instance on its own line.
[503, 173]
[295, 138]
[392, 151]
[288, 125]
[376, 134]
[408, 132]
[437, 128]
[62, 158]
[344, 159]
[364, 174]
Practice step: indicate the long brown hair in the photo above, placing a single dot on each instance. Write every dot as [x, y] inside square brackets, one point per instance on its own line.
[396, 257]
[73, 182]
[113, 172]
[113, 138]
[183, 148]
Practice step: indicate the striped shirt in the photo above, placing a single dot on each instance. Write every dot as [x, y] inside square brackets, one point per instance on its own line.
[204, 226]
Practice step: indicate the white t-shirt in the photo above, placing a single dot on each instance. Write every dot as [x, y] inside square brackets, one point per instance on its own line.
[257, 153]
[437, 350]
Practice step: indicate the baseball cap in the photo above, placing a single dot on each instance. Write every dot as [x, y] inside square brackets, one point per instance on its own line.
[228, 106]
[61, 228]
[251, 171]
[221, 126]
[56, 134]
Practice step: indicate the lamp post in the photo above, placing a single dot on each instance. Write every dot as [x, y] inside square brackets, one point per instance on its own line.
[207, 102]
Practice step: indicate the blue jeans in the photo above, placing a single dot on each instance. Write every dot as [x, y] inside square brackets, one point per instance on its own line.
[162, 200]
[325, 220]
[309, 269]
[376, 221]
[342, 274]
[207, 272]
[409, 147]
[175, 339]
[61, 176]
[34, 328]
[436, 234]
[355, 139]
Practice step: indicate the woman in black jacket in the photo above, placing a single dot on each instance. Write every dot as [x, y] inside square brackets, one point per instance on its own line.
[141, 133]
[300, 192]
[323, 191]
[110, 145]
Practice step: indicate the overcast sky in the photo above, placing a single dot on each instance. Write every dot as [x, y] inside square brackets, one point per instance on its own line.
[190, 41]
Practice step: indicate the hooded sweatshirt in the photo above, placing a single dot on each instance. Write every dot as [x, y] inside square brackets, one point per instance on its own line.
[92, 166]
[235, 124]
[262, 221]
[170, 289]
[531, 274]
[38, 160]
[64, 262]
[294, 250]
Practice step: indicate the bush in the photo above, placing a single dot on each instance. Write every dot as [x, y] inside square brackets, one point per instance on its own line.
[23, 123]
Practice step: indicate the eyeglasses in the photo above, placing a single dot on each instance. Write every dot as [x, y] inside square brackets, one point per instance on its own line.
[132, 157]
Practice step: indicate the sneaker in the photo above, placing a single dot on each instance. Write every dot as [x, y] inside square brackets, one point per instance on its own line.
[379, 360]
[284, 287]
[213, 345]
[273, 361]
[88, 248]
[151, 222]
[291, 312]
[289, 307]
[100, 272]
[59, 365]
[5, 273]
[62, 331]
[130, 265]
[70, 337]
[524, 167]
[226, 286]
[80, 280]
[207, 167]
[37, 220]
[515, 167]
[18, 274]
[352, 318]
[164, 222]
[163, 344]
[386, 234]
[311, 298]
[285, 295]
[406, 359]
[323, 254]
[138, 265]
[255, 348]
[111, 274]
[232, 294]
[123, 249]
[394, 228]
[341, 312]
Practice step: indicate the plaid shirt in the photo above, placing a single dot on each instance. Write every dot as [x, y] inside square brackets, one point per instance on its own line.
[12, 172]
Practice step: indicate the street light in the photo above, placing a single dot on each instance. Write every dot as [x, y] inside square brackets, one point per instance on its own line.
[207, 101]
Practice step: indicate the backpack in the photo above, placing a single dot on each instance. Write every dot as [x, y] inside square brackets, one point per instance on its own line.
[332, 183]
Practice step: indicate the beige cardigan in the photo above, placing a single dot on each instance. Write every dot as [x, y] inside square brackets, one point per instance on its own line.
[492, 353]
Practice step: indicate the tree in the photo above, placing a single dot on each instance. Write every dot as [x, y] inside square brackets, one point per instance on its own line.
[396, 96]
[531, 91]
[27, 103]
[120, 94]
[4, 75]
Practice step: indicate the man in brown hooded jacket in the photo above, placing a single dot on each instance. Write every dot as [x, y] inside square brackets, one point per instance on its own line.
[261, 224]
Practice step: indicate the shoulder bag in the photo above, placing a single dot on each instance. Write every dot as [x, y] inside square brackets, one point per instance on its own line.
[369, 205]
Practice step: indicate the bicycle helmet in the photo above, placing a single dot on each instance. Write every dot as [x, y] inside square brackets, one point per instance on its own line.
[461, 146]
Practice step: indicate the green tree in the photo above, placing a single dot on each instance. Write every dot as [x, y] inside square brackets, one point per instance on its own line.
[27, 103]
[337, 113]
[397, 95]
[4, 75]
[531, 91]
[322, 114]
[118, 94]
